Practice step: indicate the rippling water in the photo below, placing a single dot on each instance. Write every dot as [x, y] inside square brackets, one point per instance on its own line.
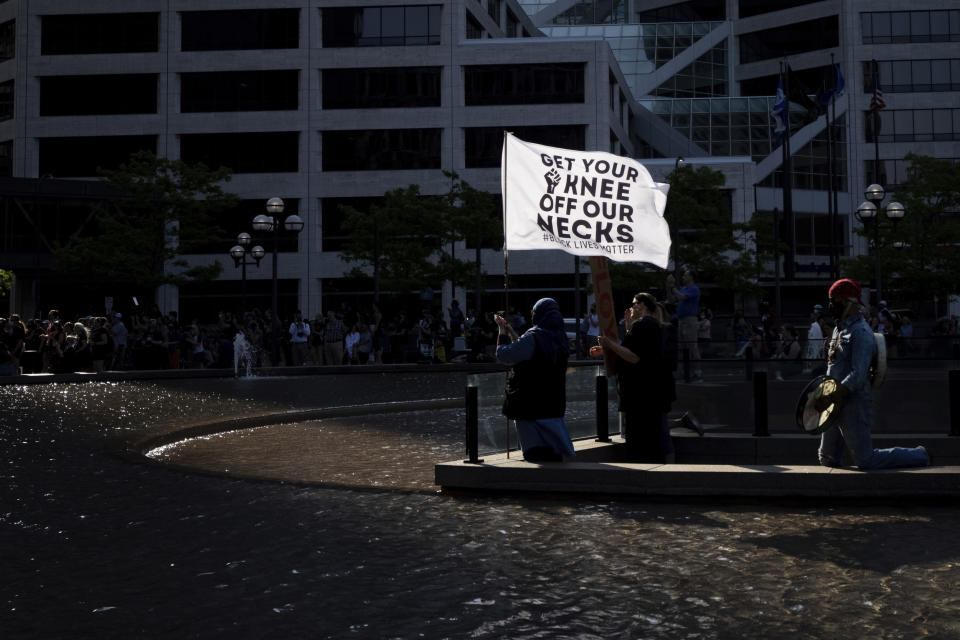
[92, 545]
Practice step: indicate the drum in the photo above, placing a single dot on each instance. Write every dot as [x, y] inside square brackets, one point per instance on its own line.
[878, 364]
[808, 418]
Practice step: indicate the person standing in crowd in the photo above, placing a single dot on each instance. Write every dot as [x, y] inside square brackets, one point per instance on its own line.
[101, 344]
[364, 341]
[644, 381]
[593, 326]
[119, 331]
[688, 307]
[299, 339]
[51, 349]
[705, 331]
[333, 334]
[456, 319]
[814, 350]
[535, 394]
[316, 340]
[426, 336]
[15, 336]
[851, 350]
[789, 352]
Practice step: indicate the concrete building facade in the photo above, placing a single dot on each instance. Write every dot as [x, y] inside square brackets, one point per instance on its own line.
[326, 102]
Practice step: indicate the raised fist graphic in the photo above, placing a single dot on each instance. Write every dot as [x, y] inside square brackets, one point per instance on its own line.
[553, 179]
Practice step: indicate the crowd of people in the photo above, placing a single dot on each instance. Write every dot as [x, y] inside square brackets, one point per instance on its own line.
[150, 339]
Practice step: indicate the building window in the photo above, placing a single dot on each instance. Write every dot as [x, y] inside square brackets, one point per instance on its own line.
[84, 157]
[758, 7]
[98, 94]
[794, 39]
[261, 152]
[813, 234]
[597, 12]
[692, 11]
[381, 149]
[483, 146]
[474, 29]
[76, 34]
[205, 92]
[493, 10]
[886, 27]
[6, 158]
[914, 125]
[6, 100]
[706, 77]
[547, 83]
[381, 26]
[8, 40]
[913, 76]
[381, 88]
[240, 30]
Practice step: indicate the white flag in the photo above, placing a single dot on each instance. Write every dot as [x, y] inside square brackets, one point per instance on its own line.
[585, 203]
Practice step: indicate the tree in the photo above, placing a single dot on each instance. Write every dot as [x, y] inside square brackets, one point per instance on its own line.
[400, 242]
[475, 217]
[706, 239]
[6, 282]
[920, 255]
[163, 207]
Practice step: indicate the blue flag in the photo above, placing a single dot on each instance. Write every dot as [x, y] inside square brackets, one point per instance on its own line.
[780, 114]
[831, 87]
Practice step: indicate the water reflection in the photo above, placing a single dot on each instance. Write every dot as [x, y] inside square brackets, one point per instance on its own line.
[95, 546]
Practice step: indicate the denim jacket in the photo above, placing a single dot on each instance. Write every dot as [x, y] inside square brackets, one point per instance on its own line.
[851, 352]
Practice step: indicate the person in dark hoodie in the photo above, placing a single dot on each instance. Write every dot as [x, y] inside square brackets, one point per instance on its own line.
[644, 381]
[536, 385]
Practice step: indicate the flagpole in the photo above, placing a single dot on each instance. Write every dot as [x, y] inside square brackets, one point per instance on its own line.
[789, 270]
[506, 278]
[876, 125]
[831, 178]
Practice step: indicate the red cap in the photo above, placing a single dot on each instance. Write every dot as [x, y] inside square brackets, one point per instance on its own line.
[846, 288]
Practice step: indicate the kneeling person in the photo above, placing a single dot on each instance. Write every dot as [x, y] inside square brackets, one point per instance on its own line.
[536, 395]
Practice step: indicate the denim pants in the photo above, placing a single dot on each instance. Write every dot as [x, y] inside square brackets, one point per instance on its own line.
[852, 434]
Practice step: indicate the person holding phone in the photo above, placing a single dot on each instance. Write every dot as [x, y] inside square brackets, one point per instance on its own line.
[535, 396]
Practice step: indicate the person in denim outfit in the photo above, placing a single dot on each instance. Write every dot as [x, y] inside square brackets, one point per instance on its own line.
[851, 351]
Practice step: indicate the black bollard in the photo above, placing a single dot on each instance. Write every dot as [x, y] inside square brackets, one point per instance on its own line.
[760, 429]
[472, 426]
[748, 361]
[602, 411]
[686, 364]
[954, 390]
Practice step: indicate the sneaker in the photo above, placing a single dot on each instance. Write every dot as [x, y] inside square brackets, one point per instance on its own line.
[691, 423]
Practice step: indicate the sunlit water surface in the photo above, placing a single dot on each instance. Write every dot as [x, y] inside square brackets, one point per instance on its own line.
[93, 545]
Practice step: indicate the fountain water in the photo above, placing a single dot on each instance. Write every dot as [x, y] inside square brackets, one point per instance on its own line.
[243, 355]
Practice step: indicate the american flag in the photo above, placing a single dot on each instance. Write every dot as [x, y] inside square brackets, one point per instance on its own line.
[876, 101]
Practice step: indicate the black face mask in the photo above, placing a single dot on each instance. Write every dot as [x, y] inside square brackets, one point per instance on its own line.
[836, 308]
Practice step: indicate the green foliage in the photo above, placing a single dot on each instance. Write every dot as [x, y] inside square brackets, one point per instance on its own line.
[404, 242]
[720, 252]
[165, 207]
[398, 242]
[920, 255]
[6, 282]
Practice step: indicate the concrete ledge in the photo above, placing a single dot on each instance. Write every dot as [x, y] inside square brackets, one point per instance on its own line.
[598, 471]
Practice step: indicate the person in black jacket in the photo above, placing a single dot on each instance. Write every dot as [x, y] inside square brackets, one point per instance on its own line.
[644, 381]
[536, 385]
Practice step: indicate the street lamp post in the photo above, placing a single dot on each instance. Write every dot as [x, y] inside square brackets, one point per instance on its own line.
[239, 254]
[868, 213]
[271, 224]
[675, 226]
